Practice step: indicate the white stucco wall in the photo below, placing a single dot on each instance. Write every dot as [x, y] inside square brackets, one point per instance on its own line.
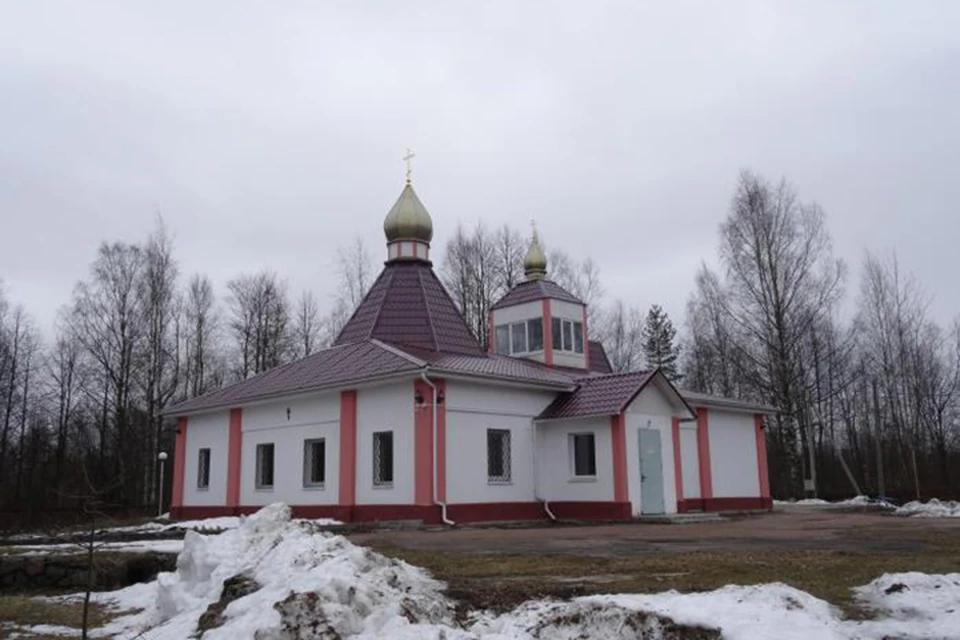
[556, 481]
[690, 460]
[386, 408]
[733, 454]
[206, 431]
[310, 417]
[651, 410]
[472, 409]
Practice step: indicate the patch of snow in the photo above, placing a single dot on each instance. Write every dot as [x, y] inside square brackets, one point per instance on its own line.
[311, 584]
[932, 509]
[912, 605]
[45, 630]
[360, 593]
[69, 548]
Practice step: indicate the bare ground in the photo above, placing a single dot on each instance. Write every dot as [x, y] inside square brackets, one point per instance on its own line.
[822, 551]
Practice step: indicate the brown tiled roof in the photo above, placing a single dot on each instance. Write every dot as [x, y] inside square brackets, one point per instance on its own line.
[599, 361]
[333, 367]
[532, 290]
[408, 306]
[598, 395]
[502, 367]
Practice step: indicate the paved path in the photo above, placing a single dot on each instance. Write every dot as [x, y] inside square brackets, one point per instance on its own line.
[788, 528]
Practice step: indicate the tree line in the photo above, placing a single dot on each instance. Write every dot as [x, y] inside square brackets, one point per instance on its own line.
[867, 403]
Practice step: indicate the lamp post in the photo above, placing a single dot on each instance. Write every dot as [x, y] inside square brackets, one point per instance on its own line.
[162, 457]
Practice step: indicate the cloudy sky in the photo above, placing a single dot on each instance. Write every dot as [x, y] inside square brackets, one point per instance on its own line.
[267, 134]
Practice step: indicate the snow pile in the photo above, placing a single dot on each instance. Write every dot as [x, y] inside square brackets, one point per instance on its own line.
[933, 509]
[912, 605]
[858, 501]
[274, 578]
[354, 591]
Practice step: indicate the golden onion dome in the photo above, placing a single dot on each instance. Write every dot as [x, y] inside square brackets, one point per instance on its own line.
[408, 219]
[535, 262]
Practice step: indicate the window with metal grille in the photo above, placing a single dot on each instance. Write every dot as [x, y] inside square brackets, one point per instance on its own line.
[314, 462]
[383, 458]
[584, 454]
[203, 469]
[264, 478]
[498, 455]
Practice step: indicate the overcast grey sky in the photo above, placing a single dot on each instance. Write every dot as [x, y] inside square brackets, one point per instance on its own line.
[267, 134]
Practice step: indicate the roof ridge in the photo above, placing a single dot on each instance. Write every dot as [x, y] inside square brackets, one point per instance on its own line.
[426, 305]
[388, 275]
[615, 374]
[397, 351]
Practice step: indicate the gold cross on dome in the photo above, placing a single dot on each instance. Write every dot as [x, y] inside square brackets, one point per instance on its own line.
[407, 158]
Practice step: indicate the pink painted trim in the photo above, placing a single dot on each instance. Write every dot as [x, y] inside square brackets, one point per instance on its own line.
[348, 447]
[547, 334]
[618, 438]
[491, 333]
[234, 453]
[423, 444]
[586, 341]
[762, 468]
[677, 459]
[442, 442]
[703, 454]
[415, 250]
[179, 464]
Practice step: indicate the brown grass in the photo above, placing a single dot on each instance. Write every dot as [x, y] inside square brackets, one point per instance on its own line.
[27, 611]
[503, 580]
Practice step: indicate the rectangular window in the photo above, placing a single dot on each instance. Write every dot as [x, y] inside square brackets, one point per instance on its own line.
[578, 337]
[203, 469]
[556, 326]
[567, 335]
[498, 455]
[503, 339]
[264, 479]
[584, 455]
[518, 338]
[383, 458]
[535, 334]
[314, 462]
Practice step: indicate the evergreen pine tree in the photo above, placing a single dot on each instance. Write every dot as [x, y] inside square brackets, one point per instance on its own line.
[658, 343]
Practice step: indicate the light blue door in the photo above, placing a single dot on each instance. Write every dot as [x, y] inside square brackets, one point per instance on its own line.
[651, 472]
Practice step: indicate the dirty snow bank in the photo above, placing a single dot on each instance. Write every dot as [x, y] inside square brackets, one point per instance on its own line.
[359, 592]
[300, 583]
[933, 509]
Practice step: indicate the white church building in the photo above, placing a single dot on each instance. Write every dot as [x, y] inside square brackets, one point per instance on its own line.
[407, 417]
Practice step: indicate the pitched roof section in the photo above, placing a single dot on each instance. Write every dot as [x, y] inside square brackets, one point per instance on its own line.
[502, 368]
[598, 396]
[333, 367]
[705, 400]
[407, 306]
[599, 362]
[533, 290]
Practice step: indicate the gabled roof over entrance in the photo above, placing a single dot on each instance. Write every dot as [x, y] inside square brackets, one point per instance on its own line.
[407, 306]
[609, 395]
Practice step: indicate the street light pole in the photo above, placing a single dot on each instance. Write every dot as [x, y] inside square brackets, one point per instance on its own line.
[162, 457]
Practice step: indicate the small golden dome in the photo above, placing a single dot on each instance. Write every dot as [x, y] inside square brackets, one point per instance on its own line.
[535, 262]
[408, 219]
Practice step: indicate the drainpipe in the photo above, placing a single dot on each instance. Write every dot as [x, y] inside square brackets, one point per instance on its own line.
[443, 505]
[546, 505]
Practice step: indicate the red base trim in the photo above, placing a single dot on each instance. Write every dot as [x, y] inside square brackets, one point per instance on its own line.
[459, 513]
[724, 504]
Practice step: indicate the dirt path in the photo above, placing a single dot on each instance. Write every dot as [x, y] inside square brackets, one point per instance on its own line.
[790, 528]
